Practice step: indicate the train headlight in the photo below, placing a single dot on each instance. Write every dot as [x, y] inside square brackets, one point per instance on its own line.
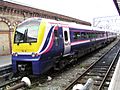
[33, 54]
[15, 54]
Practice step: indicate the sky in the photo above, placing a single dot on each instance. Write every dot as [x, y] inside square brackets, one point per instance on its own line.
[81, 9]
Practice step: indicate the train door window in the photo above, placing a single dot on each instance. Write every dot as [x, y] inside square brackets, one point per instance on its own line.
[66, 35]
[56, 37]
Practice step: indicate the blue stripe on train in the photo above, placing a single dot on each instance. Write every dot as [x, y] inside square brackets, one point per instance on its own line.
[47, 39]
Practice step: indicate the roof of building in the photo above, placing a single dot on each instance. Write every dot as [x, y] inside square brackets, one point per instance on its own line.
[23, 8]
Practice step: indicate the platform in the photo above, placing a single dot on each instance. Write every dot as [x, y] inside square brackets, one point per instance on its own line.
[5, 60]
[115, 82]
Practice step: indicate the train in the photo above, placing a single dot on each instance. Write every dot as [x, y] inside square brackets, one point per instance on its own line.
[40, 44]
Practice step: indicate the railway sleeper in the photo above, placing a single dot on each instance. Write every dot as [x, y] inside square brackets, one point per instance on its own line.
[96, 74]
[110, 75]
[111, 72]
[98, 71]
[96, 83]
[5, 75]
[96, 78]
[106, 85]
[101, 66]
[108, 80]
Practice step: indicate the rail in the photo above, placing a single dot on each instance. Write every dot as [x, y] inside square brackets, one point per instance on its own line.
[85, 73]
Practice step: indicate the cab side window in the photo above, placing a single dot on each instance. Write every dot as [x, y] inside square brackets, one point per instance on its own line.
[56, 37]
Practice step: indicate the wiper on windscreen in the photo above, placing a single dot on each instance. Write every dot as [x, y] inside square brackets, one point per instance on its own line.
[25, 35]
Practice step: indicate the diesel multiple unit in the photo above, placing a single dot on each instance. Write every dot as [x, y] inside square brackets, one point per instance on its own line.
[40, 44]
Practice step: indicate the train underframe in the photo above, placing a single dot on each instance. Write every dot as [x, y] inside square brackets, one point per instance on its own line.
[63, 61]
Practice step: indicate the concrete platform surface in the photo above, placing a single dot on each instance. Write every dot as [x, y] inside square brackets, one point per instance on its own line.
[115, 82]
[5, 60]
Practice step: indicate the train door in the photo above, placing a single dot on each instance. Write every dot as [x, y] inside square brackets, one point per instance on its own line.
[58, 42]
[66, 39]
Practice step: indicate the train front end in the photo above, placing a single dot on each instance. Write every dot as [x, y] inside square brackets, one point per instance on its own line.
[28, 37]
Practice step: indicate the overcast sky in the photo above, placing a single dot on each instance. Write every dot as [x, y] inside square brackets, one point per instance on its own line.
[81, 9]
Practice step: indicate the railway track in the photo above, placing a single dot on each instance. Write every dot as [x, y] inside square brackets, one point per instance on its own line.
[13, 81]
[100, 71]
[5, 72]
[5, 69]
[8, 80]
[6, 77]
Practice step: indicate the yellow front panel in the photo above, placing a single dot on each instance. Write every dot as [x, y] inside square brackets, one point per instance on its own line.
[34, 47]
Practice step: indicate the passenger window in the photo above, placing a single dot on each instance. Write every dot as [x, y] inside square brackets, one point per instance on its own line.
[76, 35]
[95, 35]
[66, 35]
[92, 35]
[83, 35]
[87, 35]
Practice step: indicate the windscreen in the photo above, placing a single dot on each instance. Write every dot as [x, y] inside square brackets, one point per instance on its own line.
[27, 32]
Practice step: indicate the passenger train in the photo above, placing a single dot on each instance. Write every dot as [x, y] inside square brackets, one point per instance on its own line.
[40, 44]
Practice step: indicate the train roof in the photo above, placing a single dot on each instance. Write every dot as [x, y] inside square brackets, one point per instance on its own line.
[68, 24]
